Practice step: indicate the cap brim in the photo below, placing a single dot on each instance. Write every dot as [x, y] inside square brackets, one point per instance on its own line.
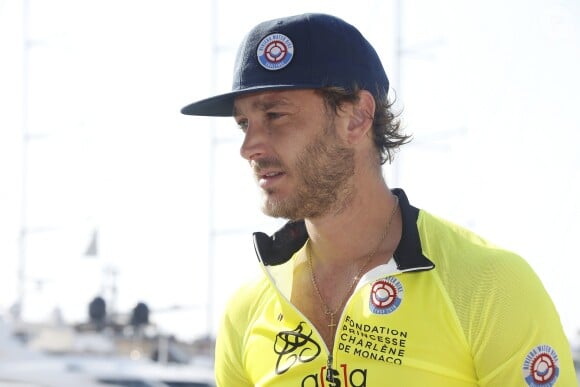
[223, 105]
[218, 106]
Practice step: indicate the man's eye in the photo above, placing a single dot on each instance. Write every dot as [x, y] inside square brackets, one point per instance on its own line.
[242, 124]
[274, 115]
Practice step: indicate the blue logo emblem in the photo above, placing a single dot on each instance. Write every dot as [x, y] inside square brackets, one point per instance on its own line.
[275, 51]
[386, 295]
[541, 367]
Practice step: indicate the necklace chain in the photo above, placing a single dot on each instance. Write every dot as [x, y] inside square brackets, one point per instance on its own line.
[327, 310]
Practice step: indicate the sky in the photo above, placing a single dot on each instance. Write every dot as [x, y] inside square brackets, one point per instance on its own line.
[487, 88]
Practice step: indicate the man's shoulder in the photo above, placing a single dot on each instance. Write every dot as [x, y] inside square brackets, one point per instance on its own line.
[441, 238]
[465, 260]
[249, 298]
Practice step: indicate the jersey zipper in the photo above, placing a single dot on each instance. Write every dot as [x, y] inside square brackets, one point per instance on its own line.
[330, 355]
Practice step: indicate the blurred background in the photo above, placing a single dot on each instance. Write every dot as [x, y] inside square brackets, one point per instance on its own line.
[107, 192]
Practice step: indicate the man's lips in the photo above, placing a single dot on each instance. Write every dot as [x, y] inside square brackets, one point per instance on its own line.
[266, 179]
[270, 174]
[267, 171]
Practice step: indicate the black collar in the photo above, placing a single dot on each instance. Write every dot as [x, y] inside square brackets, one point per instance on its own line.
[279, 248]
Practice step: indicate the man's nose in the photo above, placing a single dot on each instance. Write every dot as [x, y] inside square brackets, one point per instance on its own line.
[254, 141]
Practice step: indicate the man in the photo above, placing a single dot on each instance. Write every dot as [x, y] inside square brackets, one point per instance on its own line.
[360, 287]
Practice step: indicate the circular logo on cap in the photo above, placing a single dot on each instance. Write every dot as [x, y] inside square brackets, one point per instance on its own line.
[275, 51]
[541, 367]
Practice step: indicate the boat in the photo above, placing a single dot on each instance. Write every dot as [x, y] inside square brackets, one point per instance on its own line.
[25, 365]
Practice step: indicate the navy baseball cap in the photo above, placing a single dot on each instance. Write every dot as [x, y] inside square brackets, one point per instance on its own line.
[308, 51]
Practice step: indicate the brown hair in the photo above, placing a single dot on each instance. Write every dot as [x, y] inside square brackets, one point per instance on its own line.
[387, 135]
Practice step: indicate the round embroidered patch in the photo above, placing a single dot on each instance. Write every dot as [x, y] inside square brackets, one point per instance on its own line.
[386, 295]
[275, 51]
[541, 367]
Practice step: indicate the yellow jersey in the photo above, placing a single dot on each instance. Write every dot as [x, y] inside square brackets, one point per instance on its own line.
[448, 310]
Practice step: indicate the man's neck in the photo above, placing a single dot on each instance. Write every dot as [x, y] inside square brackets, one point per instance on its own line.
[339, 239]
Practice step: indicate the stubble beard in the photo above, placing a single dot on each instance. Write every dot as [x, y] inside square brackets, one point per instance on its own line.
[324, 170]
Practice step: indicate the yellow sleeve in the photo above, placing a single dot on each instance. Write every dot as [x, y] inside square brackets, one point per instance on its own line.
[517, 337]
[509, 321]
[229, 365]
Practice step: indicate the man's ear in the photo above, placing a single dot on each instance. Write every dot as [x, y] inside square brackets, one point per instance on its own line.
[361, 118]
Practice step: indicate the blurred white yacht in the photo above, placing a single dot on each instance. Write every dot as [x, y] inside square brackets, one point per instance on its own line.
[90, 363]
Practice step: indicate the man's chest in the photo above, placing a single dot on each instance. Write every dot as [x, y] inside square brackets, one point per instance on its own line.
[396, 330]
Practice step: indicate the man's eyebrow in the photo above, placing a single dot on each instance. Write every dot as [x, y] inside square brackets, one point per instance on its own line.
[265, 105]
